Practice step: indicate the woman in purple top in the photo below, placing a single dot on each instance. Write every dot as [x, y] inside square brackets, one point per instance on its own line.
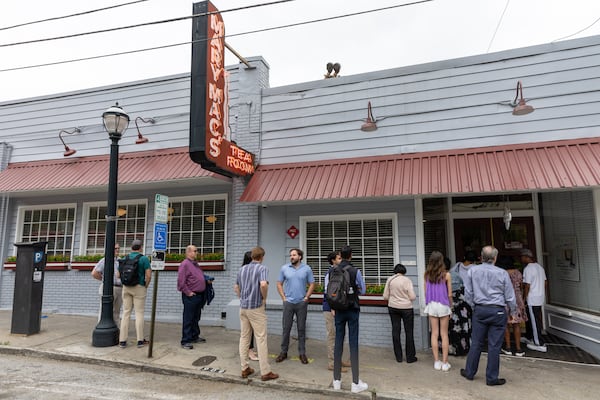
[438, 300]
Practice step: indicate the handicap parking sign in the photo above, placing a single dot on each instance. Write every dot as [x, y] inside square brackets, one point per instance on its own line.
[160, 236]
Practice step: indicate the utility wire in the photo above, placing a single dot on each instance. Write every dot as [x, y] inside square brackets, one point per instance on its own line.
[498, 26]
[70, 15]
[197, 41]
[578, 32]
[142, 24]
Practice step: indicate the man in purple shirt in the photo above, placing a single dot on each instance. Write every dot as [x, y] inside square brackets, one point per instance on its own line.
[191, 282]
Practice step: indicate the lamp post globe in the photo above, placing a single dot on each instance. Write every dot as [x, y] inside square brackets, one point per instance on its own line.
[106, 333]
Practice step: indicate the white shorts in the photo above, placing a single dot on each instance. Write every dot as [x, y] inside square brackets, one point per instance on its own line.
[436, 309]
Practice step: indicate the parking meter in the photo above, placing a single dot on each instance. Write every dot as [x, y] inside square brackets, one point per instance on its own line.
[29, 287]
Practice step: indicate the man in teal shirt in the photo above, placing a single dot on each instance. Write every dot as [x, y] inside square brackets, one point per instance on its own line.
[134, 297]
[291, 285]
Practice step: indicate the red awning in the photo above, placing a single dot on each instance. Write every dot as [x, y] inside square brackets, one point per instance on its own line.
[512, 168]
[152, 166]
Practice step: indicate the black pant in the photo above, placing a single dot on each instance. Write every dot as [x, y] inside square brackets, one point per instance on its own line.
[406, 316]
[533, 326]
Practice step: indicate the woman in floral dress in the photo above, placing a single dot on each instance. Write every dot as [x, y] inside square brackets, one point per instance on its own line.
[516, 278]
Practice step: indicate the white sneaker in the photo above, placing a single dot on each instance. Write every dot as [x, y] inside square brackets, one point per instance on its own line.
[525, 340]
[437, 365]
[520, 353]
[446, 367]
[535, 347]
[337, 385]
[359, 387]
[505, 351]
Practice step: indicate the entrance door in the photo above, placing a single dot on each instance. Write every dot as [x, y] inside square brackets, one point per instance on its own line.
[473, 234]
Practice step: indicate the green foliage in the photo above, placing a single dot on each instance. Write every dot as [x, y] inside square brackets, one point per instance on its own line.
[176, 257]
[57, 258]
[375, 289]
[211, 257]
[88, 258]
[11, 259]
[319, 288]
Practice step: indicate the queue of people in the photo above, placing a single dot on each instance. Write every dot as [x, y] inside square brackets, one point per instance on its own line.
[467, 305]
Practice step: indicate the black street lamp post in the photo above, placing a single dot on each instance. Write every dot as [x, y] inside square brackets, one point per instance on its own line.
[106, 332]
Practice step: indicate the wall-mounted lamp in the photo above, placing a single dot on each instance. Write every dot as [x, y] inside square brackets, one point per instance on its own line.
[370, 124]
[68, 151]
[142, 139]
[521, 108]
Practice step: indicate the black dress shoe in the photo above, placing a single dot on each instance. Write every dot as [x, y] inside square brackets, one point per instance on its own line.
[281, 357]
[199, 340]
[411, 360]
[497, 382]
[463, 372]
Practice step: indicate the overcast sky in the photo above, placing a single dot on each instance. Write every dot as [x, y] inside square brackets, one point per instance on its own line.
[413, 34]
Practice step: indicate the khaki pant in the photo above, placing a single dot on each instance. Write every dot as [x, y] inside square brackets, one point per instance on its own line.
[117, 302]
[134, 297]
[254, 320]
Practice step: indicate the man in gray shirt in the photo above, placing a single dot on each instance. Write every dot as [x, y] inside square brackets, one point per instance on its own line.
[489, 291]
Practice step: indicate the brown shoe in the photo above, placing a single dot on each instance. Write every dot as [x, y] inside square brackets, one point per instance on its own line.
[346, 364]
[247, 372]
[281, 357]
[303, 358]
[269, 376]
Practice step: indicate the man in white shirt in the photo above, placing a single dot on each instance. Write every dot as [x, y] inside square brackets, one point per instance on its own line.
[534, 293]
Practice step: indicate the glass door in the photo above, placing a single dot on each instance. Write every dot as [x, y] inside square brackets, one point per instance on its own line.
[473, 234]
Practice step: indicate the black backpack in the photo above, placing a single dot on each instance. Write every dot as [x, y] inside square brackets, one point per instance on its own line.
[341, 292]
[128, 269]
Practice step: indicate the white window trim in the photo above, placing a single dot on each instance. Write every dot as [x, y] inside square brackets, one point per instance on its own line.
[205, 197]
[21, 217]
[85, 220]
[344, 217]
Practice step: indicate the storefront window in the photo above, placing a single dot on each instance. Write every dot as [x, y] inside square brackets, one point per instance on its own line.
[372, 238]
[198, 221]
[52, 224]
[130, 225]
[571, 249]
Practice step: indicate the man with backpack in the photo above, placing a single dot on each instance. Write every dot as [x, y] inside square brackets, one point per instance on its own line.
[135, 275]
[343, 284]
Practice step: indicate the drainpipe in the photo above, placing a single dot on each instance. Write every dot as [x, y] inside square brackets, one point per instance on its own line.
[5, 152]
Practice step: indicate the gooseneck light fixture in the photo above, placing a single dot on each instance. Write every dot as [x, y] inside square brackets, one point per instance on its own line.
[142, 139]
[521, 108]
[370, 124]
[106, 332]
[68, 151]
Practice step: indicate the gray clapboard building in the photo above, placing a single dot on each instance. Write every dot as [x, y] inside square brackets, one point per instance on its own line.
[444, 164]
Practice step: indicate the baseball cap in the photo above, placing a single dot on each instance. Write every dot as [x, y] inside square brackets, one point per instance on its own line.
[136, 244]
[526, 253]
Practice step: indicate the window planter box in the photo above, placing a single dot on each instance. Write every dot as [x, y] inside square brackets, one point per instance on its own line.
[51, 266]
[366, 300]
[206, 265]
[83, 265]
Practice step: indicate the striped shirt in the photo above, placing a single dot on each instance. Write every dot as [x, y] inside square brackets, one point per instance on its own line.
[248, 281]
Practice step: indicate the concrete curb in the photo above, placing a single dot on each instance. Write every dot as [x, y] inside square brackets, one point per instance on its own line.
[279, 384]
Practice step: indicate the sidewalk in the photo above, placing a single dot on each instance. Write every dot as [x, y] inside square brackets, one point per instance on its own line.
[69, 338]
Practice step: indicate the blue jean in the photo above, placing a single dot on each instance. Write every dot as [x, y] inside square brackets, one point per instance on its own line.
[349, 317]
[490, 322]
[289, 310]
[192, 311]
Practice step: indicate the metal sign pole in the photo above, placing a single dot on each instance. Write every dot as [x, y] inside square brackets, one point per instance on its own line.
[154, 293]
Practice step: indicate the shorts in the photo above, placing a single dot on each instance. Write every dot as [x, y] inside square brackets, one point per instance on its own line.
[435, 309]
